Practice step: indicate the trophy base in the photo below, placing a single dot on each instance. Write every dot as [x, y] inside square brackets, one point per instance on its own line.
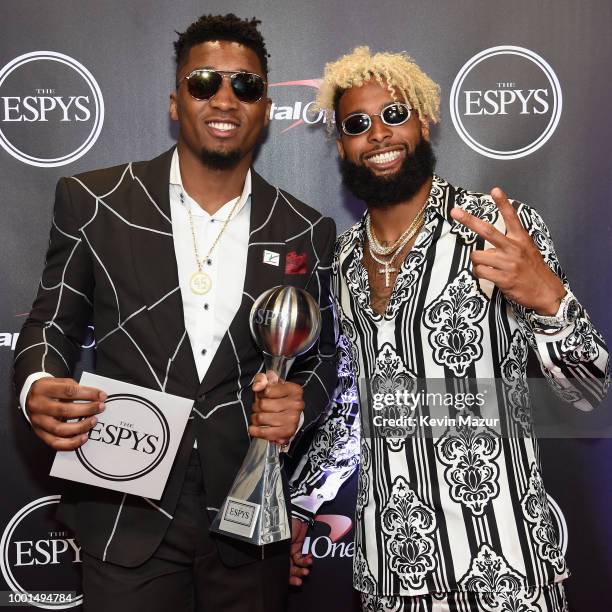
[254, 510]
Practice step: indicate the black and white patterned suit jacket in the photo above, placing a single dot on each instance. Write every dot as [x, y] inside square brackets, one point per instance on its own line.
[111, 261]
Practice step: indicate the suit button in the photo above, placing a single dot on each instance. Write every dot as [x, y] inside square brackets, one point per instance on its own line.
[201, 397]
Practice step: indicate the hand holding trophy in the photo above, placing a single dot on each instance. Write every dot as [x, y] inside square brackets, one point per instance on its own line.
[285, 322]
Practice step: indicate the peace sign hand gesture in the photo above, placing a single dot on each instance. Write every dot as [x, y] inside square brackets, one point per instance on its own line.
[514, 263]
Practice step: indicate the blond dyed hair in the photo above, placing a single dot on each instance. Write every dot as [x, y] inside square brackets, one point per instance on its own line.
[395, 70]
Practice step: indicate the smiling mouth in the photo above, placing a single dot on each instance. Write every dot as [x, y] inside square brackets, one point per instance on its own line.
[222, 126]
[384, 160]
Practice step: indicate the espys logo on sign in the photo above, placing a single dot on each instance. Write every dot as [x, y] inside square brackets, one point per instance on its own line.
[141, 450]
[39, 554]
[51, 109]
[506, 102]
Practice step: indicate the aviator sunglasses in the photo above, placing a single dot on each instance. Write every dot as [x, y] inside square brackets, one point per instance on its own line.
[393, 114]
[203, 84]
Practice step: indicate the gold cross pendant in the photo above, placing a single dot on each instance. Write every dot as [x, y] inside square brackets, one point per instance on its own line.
[387, 271]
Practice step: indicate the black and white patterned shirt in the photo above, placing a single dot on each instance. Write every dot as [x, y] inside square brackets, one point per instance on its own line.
[457, 512]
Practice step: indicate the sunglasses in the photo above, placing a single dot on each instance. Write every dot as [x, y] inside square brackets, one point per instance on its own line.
[395, 113]
[203, 84]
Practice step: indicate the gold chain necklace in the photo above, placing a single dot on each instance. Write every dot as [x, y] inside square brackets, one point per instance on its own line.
[378, 248]
[398, 246]
[200, 282]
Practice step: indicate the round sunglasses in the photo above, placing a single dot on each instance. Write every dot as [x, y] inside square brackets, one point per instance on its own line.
[203, 84]
[393, 114]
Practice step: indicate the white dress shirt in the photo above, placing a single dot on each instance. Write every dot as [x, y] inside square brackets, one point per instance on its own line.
[207, 317]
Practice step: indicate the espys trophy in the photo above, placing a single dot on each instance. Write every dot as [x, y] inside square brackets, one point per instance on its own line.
[285, 322]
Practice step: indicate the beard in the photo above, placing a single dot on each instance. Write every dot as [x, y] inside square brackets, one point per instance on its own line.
[380, 191]
[221, 160]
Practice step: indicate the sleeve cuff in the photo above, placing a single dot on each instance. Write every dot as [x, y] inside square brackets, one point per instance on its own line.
[303, 515]
[27, 385]
[285, 448]
[307, 505]
[560, 335]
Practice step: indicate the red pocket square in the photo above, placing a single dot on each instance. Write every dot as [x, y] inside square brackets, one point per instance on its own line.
[296, 263]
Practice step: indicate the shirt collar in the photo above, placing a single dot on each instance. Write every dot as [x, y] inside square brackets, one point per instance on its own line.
[176, 182]
[439, 201]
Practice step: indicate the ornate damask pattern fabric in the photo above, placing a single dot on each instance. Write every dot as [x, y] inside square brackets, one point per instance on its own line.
[454, 318]
[545, 599]
[469, 455]
[408, 523]
[464, 512]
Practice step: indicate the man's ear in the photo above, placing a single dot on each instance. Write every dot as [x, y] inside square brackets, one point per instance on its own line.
[268, 107]
[340, 148]
[425, 128]
[172, 110]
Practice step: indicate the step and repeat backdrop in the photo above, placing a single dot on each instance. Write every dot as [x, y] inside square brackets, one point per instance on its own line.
[526, 101]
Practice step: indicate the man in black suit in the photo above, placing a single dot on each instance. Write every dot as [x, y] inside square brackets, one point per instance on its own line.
[166, 258]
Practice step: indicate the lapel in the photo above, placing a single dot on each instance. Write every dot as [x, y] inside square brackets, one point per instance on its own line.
[155, 262]
[267, 232]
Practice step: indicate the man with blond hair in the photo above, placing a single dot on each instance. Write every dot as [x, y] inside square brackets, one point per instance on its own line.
[439, 283]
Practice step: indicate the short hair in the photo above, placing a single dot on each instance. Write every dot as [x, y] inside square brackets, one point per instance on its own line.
[222, 27]
[397, 70]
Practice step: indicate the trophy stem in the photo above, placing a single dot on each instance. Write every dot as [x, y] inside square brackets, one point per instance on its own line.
[255, 509]
[278, 364]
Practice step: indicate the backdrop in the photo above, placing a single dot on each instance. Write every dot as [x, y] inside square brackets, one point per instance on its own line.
[525, 105]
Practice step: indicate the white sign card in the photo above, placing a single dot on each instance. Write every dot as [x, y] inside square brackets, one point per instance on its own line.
[133, 445]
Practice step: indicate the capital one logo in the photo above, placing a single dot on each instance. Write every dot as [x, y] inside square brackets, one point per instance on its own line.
[506, 102]
[51, 109]
[286, 108]
[141, 440]
[39, 554]
[329, 545]
[9, 339]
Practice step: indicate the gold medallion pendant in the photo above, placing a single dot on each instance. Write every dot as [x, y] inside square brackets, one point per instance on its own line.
[200, 283]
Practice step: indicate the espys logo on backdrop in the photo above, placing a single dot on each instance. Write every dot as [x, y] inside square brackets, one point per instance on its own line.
[328, 545]
[141, 451]
[297, 111]
[506, 102]
[39, 554]
[51, 109]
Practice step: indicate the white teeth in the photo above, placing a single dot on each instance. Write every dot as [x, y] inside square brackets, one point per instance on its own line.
[224, 127]
[383, 158]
